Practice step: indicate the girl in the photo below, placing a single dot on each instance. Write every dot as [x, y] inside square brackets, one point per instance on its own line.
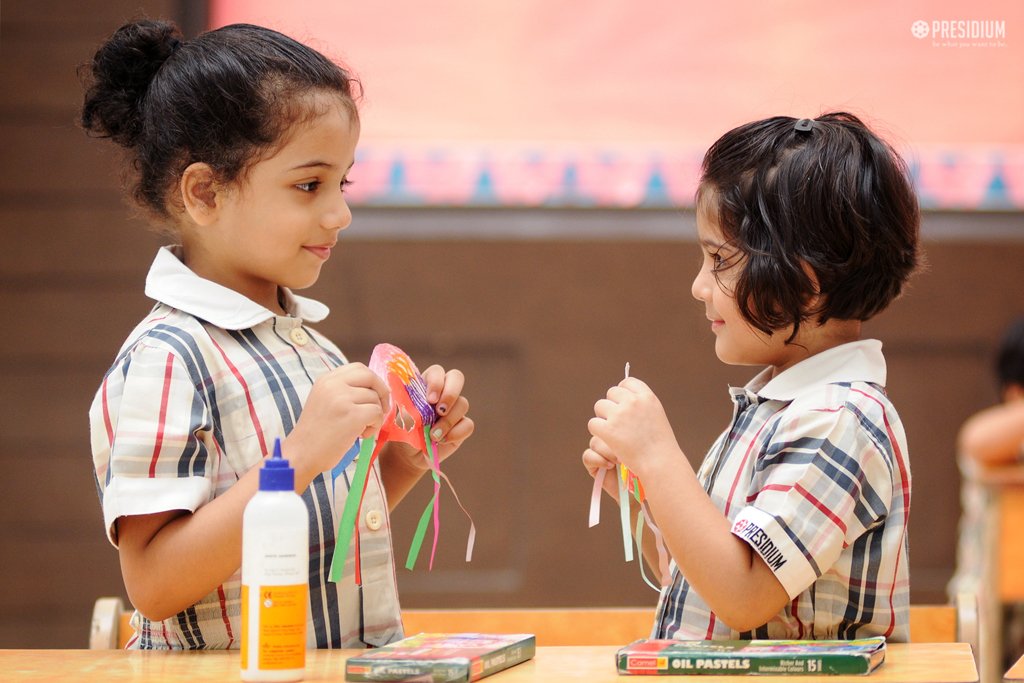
[796, 524]
[242, 140]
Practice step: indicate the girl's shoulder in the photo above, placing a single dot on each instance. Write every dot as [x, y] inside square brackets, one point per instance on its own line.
[167, 329]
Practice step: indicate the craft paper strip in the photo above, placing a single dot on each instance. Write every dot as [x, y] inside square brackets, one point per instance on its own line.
[432, 507]
[659, 543]
[409, 419]
[471, 540]
[595, 498]
[640, 550]
[627, 540]
[348, 516]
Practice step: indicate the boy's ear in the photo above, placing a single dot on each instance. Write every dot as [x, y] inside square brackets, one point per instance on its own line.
[199, 189]
[814, 301]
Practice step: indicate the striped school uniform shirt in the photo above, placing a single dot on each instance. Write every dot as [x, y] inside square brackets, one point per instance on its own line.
[194, 400]
[813, 473]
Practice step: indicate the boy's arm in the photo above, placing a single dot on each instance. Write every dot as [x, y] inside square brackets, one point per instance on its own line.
[630, 426]
[994, 436]
[735, 582]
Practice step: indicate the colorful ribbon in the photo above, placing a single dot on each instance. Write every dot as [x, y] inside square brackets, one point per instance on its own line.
[629, 486]
[409, 419]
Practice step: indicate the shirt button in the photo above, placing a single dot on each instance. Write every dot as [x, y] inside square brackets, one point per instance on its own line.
[374, 520]
[299, 336]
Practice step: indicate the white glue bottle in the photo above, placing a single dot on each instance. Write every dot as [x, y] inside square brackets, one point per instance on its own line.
[275, 576]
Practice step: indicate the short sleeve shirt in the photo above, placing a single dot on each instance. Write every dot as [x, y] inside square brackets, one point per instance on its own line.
[813, 474]
[193, 400]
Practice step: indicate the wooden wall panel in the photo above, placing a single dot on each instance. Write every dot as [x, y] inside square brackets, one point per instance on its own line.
[541, 327]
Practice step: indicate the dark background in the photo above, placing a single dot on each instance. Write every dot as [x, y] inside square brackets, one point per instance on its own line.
[541, 327]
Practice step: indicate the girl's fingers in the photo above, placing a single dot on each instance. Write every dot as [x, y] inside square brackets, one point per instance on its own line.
[448, 391]
[434, 379]
[458, 412]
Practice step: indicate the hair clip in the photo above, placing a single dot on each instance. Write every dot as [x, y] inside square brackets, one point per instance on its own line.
[804, 126]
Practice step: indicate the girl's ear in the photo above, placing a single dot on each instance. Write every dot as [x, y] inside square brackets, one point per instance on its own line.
[198, 189]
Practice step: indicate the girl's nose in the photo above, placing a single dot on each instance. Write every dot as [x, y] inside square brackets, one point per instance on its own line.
[339, 216]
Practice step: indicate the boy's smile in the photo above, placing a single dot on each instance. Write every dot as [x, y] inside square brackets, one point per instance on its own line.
[737, 342]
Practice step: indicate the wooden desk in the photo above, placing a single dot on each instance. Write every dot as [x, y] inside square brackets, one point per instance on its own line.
[1016, 672]
[904, 663]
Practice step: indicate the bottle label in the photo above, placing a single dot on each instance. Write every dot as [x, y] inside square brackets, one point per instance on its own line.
[281, 641]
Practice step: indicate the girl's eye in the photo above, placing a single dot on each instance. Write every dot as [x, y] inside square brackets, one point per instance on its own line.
[309, 187]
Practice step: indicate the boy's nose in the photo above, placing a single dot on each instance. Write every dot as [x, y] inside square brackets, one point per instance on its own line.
[701, 289]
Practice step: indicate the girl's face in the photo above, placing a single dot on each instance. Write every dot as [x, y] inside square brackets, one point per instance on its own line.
[737, 342]
[278, 224]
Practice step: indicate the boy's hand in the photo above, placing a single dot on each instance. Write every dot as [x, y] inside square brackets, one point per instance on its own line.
[347, 403]
[630, 426]
[595, 462]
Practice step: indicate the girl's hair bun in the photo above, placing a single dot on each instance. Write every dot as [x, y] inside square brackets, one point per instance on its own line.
[119, 76]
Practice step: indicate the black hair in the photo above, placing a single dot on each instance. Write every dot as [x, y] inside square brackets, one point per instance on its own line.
[1010, 357]
[224, 98]
[826, 195]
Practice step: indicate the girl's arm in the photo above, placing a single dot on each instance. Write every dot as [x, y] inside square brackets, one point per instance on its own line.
[170, 560]
[994, 436]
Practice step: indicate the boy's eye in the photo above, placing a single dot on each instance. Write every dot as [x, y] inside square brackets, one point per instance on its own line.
[309, 187]
[345, 182]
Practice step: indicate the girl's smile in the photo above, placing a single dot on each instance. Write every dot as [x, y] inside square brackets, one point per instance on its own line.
[277, 226]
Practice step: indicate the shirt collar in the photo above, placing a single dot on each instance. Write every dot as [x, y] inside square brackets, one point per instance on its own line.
[171, 282]
[859, 361]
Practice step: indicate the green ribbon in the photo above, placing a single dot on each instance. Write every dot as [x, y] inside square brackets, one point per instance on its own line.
[347, 526]
[421, 527]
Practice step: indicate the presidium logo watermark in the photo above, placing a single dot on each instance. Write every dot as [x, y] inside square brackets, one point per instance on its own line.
[961, 32]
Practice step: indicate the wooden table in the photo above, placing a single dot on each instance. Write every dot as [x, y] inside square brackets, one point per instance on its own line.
[904, 663]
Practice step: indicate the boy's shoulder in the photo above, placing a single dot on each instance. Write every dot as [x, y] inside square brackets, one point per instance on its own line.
[838, 402]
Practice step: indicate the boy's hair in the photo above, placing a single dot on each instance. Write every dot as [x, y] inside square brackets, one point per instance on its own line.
[1010, 358]
[224, 98]
[822, 202]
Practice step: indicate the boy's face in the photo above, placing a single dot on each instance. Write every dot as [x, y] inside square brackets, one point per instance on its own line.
[737, 342]
[277, 225]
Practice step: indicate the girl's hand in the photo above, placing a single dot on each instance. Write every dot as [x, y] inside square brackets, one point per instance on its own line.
[347, 403]
[444, 392]
[453, 426]
[630, 426]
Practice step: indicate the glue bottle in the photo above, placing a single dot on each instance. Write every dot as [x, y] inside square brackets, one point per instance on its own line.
[275, 576]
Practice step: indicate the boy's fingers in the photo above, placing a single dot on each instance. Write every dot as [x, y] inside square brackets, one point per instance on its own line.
[594, 461]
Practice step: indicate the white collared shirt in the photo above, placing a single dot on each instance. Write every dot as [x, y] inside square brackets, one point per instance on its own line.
[813, 473]
[193, 400]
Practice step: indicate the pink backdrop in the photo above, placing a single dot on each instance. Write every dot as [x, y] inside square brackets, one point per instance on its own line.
[608, 102]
